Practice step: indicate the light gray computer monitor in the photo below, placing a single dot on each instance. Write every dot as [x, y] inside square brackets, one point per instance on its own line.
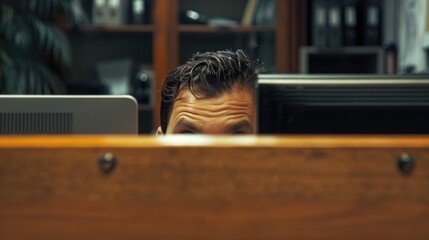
[66, 114]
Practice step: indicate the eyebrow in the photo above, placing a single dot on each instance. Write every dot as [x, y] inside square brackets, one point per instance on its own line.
[237, 126]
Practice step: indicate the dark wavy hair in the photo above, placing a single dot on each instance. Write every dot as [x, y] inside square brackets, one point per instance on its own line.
[207, 75]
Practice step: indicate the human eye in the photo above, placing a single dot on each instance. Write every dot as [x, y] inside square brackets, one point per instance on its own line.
[238, 133]
[183, 128]
[186, 132]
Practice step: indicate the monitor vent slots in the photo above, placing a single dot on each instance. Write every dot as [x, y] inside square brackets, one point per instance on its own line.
[325, 96]
[36, 123]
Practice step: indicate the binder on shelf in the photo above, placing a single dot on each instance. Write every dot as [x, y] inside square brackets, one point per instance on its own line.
[320, 23]
[270, 12]
[335, 30]
[265, 13]
[138, 12]
[110, 12]
[350, 23]
[99, 12]
[249, 12]
[372, 22]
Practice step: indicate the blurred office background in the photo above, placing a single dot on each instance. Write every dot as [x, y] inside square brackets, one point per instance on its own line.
[129, 46]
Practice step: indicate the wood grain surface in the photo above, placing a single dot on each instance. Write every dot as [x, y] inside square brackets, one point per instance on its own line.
[298, 187]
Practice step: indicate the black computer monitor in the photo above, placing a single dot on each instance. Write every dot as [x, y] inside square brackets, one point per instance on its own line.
[343, 104]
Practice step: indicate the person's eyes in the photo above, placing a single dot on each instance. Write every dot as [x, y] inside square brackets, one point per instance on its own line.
[186, 132]
[239, 133]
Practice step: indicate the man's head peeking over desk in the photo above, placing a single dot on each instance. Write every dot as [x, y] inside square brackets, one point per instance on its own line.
[213, 93]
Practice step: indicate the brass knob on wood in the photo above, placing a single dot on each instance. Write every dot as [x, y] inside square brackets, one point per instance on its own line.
[406, 163]
[107, 162]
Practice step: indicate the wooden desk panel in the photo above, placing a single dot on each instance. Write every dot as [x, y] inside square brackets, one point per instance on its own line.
[213, 188]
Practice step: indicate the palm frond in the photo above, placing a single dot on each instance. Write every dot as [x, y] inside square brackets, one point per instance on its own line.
[51, 40]
[30, 41]
[52, 9]
[48, 9]
[25, 76]
[14, 29]
[74, 13]
[24, 30]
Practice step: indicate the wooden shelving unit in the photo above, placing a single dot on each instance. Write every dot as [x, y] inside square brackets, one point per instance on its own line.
[288, 38]
[224, 30]
[121, 28]
[166, 32]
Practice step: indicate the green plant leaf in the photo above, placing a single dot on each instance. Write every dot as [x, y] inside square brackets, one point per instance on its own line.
[30, 41]
[51, 41]
[74, 13]
[46, 9]
[14, 28]
[26, 76]
[52, 9]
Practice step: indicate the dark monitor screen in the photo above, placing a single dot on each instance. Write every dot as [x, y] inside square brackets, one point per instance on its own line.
[323, 104]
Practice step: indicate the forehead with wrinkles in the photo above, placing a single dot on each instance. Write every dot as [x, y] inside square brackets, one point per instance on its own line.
[213, 113]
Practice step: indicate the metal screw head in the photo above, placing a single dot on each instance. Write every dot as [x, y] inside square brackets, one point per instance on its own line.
[107, 162]
[406, 163]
